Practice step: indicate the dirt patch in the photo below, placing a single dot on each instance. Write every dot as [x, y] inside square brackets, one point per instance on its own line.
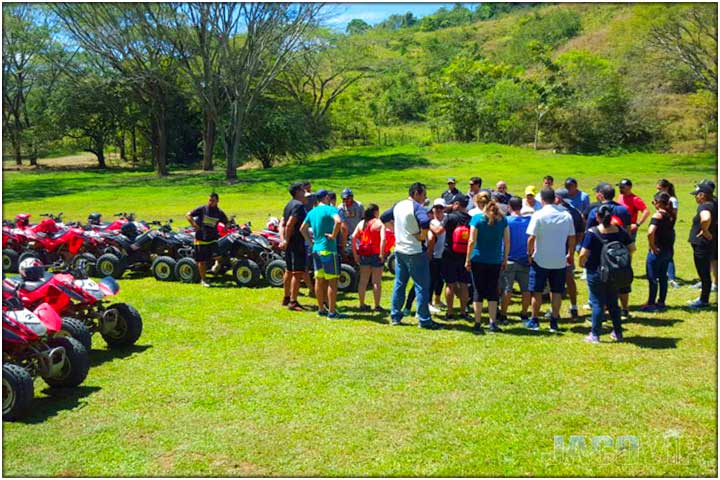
[69, 162]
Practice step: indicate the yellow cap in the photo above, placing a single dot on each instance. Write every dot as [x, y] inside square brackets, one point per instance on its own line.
[530, 190]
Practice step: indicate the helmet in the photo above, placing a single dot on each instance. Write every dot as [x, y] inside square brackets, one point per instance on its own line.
[31, 269]
[129, 230]
[273, 224]
[346, 193]
[94, 218]
[22, 220]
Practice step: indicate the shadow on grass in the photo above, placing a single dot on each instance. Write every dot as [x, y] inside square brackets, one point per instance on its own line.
[654, 322]
[58, 400]
[98, 357]
[660, 343]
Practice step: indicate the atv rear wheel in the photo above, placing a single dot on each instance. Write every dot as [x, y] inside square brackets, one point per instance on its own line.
[11, 260]
[126, 327]
[186, 270]
[275, 272]
[164, 268]
[109, 264]
[72, 327]
[76, 366]
[246, 273]
[17, 391]
[347, 279]
[89, 261]
[391, 263]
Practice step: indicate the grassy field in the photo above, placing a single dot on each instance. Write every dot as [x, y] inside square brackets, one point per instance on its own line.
[225, 382]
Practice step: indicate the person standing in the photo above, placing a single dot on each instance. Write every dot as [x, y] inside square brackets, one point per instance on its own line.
[325, 223]
[635, 205]
[518, 265]
[531, 201]
[561, 199]
[450, 193]
[550, 251]
[475, 185]
[703, 240]
[205, 219]
[436, 245]
[661, 237]
[456, 277]
[664, 185]
[579, 199]
[548, 182]
[487, 255]
[368, 244]
[351, 211]
[603, 292]
[411, 223]
[291, 240]
[502, 191]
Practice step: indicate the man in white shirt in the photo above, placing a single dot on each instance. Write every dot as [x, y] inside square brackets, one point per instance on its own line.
[551, 244]
[411, 224]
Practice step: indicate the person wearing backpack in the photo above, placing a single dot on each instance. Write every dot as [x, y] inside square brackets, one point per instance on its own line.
[368, 244]
[456, 277]
[606, 255]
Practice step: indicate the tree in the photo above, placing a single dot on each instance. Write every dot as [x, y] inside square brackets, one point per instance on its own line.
[357, 26]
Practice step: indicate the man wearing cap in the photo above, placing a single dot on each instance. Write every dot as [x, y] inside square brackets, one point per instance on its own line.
[454, 273]
[562, 198]
[579, 199]
[205, 219]
[325, 223]
[703, 239]
[634, 204]
[450, 193]
[531, 201]
[351, 212]
[475, 185]
[291, 240]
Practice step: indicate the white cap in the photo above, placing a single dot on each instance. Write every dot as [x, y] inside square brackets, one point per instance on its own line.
[439, 202]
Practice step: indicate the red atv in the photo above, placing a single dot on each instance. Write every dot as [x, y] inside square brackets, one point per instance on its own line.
[14, 241]
[82, 298]
[29, 351]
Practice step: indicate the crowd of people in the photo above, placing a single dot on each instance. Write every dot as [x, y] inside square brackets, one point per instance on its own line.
[476, 246]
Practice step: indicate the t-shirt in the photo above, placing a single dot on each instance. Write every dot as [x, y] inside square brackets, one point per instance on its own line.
[535, 206]
[618, 210]
[675, 204]
[451, 221]
[700, 242]
[551, 226]
[489, 244]
[295, 208]
[449, 194]
[321, 221]
[208, 219]
[594, 246]
[518, 238]
[578, 222]
[581, 201]
[634, 204]
[439, 241]
[664, 233]
[409, 218]
[351, 215]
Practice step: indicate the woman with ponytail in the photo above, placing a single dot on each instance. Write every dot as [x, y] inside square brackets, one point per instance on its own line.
[486, 257]
[602, 294]
[664, 185]
[368, 249]
[661, 239]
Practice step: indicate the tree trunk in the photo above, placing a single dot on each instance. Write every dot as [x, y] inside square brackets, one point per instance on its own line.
[121, 145]
[160, 149]
[209, 131]
[33, 155]
[266, 161]
[133, 145]
[17, 148]
[100, 154]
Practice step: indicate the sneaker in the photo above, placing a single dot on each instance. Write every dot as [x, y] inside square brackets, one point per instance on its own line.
[625, 314]
[433, 309]
[379, 309]
[554, 325]
[286, 301]
[406, 312]
[336, 316]
[478, 329]
[449, 318]
[295, 307]
[661, 307]
[395, 323]
[204, 284]
[574, 313]
[674, 284]
[548, 314]
[467, 317]
[698, 304]
[648, 308]
[524, 317]
[430, 325]
[587, 307]
[494, 328]
[364, 308]
[592, 339]
[616, 337]
[532, 324]
[322, 313]
[697, 285]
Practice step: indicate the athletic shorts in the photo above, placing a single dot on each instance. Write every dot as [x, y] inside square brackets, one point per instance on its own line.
[515, 272]
[540, 276]
[326, 264]
[485, 278]
[295, 258]
[370, 261]
[205, 252]
[453, 269]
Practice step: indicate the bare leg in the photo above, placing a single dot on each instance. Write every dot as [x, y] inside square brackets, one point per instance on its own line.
[320, 289]
[377, 285]
[525, 302]
[332, 295]
[556, 301]
[202, 268]
[287, 283]
[571, 288]
[463, 295]
[624, 300]
[362, 286]
[295, 280]
[492, 311]
[506, 299]
[308, 282]
[536, 304]
[477, 306]
[449, 298]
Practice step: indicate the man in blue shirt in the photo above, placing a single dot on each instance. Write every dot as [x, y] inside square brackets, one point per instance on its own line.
[518, 265]
[579, 199]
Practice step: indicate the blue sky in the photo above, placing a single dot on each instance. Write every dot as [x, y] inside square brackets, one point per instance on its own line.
[372, 13]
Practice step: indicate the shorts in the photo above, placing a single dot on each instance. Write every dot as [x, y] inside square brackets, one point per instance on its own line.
[515, 272]
[540, 276]
[370, 261]
[453, 269]
[485, 278]
[326, 264]
[295, 258]
[205, 252]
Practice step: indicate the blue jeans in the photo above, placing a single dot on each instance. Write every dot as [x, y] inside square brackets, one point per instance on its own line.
[417, 267]
[656, 269]
[602, 296]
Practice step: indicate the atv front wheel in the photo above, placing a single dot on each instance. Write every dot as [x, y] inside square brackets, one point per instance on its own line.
[347, 279]
[72, 327]
[76, 366]
[109, 264]
[164, 268]
[186, 270]
[17, 391]
[246, 273]
[275, 272]
[89, 261]
[11, 260]
[121, 325]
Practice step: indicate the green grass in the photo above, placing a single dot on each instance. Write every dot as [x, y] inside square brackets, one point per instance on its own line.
[227, 383]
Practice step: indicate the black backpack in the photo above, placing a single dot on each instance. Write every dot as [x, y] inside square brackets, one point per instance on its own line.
[615, 262]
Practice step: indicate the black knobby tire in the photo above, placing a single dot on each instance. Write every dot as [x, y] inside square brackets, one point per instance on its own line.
[109, 264]
[246, 273]
[72, 327]
[275, 272]
[11, 260]
[163, 269]
[186, 270]
[90, 262]
[77, 363]
[348, 278]
[391, 263]
[18, 391]
[128, 328]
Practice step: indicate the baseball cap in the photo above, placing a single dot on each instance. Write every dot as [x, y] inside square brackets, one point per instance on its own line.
[562, 193]
[709, 183]
[346, 193]
[570, 180]
[703, 187]
[451, 180]
[439, 202]
[320, 194]
[600, 186]
[530, 190]
[625, 182]
[461, 199]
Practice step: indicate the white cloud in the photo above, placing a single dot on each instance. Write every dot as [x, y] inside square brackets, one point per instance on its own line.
[346, 17]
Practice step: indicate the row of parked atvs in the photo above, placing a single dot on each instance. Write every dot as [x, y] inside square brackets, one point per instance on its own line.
[111, 249]
[48, 323]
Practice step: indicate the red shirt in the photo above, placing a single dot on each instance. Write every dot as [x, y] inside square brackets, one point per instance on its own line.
[634, 204]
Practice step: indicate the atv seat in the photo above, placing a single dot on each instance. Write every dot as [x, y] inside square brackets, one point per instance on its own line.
[30, 286]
